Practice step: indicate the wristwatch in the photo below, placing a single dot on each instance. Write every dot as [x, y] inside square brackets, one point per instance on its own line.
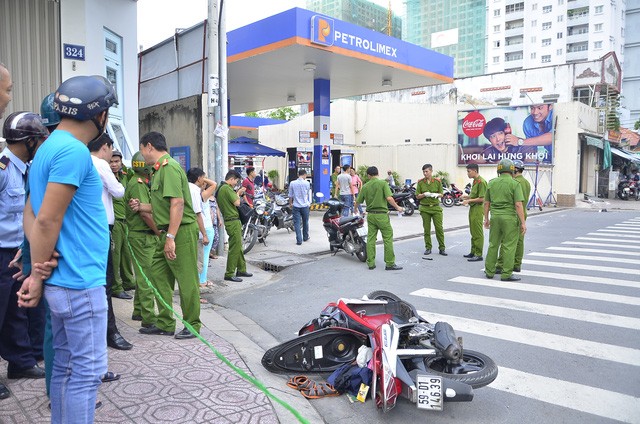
[171, 236]
[520, 142]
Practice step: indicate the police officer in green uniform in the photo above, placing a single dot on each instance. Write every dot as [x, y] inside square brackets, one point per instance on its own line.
[228, 202]
[143, 239]
[474, 200]
[122, 266]
[428, 192]
[376, 193]
[504, 199]
[175, 257]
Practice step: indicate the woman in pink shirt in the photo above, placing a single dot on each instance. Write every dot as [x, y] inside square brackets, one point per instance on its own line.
[357, 185]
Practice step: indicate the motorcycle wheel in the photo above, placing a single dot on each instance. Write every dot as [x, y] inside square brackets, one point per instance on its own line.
[249, 240]
[447, 200]
[408, 209]
[361, 252]
[383, 295]
[476, 369]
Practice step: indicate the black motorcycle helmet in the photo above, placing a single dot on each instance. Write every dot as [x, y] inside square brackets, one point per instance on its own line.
[25, 127]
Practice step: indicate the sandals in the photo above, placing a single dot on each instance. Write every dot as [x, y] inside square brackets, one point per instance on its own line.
[203, 301]
[109, 376]
[310, 389]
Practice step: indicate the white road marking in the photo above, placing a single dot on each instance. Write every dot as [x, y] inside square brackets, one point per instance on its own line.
[622, 261]
[559, 291]
[633, 226]
[586, 243]
[581, 266]
[608, 239]
[579, 397]
[535, 308]
[617, 230]
[586, 348]
[582, 278]
[581, 249]
[612, 233]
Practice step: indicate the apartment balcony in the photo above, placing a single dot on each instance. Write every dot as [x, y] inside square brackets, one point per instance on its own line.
[578, 38]
[514, 47]
[512, 64]
[514, 16]
[577, 4]
[577, 55]
[581, 19]
[513, 32]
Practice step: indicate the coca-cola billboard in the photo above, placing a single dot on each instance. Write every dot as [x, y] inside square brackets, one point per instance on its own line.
[524, 133]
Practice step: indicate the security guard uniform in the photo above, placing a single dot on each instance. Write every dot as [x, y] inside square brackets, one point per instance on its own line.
[124, 278]
[430, 210]
[170, 181]
[15, 344]
[502, 194]
[374, 194]
[226, 197]
[143, 242]
[478, 190]
[526, 191]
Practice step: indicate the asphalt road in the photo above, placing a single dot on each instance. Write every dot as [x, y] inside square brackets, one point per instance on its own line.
[566, 338]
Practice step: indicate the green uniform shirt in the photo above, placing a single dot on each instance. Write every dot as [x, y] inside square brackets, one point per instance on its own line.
[119, 204]
[478, 190]
[526, 191]
[137, 188]
[226, 199]
[503, 193]
[374, 193]
[169, 181]
[435, 186]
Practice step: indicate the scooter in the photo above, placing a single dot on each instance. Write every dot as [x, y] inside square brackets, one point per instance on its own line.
[413, 358]
[344, 232]
[404, 199]
[624, 190]
[451, 196]
[282, 213]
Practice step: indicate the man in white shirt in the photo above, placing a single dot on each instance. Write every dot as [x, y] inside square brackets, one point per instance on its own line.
[198, 206]
[300, 200]
[101, 151]
[345, 189]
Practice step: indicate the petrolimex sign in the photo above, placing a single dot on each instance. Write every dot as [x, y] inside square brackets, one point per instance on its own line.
[324, 33]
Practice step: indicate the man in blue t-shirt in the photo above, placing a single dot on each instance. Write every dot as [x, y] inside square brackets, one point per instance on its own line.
[537, 128]
[65, 213]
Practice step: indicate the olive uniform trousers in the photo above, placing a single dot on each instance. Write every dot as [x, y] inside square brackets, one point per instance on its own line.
[375, 222]
[428, 214]
[503, 237]
[476, 217]
[143, 244]
[235, 257]
[122, 264]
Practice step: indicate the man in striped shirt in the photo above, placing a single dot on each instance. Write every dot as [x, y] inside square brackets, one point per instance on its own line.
[300, 201]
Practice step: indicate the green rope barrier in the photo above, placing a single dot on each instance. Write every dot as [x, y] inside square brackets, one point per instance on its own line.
[220, 356]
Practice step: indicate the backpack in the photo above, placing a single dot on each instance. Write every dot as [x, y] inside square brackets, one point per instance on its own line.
[244, 210]
[348, 378]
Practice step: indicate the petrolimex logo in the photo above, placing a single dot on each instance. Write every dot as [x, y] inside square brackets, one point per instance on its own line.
[322, 30]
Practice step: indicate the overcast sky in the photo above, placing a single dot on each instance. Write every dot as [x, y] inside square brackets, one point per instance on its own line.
[158, 19]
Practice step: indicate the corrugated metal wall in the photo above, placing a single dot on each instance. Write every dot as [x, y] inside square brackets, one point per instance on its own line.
[30, 47]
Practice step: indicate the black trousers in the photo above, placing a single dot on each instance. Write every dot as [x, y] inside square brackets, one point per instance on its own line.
[111, 318]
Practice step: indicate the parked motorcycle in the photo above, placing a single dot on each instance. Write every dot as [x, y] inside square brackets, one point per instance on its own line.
[344, 232]
[282, 213]
[424, 362]
[451, 196]
[406, 200]
[624, 189]
[258, 225]
[634, 190]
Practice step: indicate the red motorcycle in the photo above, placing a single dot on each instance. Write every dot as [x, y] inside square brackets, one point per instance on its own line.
[413, 358]
[451, 196]
[344, 232]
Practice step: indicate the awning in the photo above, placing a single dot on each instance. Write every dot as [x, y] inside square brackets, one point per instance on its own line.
[625, 155]
[244, 146]
[593, 141]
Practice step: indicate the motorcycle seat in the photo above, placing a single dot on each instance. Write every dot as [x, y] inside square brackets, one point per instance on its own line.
[347, 219]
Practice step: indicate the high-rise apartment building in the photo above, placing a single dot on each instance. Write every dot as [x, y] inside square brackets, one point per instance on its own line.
[453, 27]
[360, 12]
[534, 33]
[631, 68]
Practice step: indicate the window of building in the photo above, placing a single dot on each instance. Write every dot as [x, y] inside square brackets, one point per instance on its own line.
[582, 95]
[534, 23]
[597, 45]
[546, 58]
[496, 12]
[546, 9]
[533, 55]
[496, 44]
[511, 8]
[560, 18]
[496, 28]
[559, 35]
[559, 52]
[598, 10]
[533, 39]
[496, 59]
[546, 25]
[534, 6]
[560, 2]
[546, 41]
[597, 27]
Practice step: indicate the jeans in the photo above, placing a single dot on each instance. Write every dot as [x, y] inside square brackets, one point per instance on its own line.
[347, 199]
[301, 223]
[79, 326]
[205, 255]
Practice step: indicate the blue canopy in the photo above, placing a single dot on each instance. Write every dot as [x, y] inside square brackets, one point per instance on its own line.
[245, 146]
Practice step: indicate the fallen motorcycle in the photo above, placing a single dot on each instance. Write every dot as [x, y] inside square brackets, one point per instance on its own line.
[413, 358]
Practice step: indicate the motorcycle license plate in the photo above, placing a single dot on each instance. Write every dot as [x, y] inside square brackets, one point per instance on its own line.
[429, 392]
[362, 231]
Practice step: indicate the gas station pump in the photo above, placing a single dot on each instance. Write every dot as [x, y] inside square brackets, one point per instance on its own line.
[300, 158]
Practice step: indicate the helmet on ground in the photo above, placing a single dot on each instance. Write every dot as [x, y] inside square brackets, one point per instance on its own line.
[21, 126]
[84, 97]
[518, 165]
[505, 165]
[139, 165]
[50, 117]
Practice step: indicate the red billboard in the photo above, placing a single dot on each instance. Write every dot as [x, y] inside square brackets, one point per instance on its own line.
[524, 133]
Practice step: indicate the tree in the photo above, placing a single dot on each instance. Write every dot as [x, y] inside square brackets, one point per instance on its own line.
[283, 113]
[636, 126]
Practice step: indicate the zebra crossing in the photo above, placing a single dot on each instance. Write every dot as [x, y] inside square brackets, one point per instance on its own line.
[598, 272]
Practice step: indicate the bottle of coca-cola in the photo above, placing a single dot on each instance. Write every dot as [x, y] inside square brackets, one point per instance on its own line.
[507, 128]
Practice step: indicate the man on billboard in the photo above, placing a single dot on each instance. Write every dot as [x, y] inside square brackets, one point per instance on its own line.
[537, 130]
[496, 132]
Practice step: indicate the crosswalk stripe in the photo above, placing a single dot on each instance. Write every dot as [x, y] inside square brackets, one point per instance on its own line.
[609, 239]
[582, 278]
[591, 400]
[611, 233]
[582, 267]
[584, 243]
[535, 308]
[615, 230]
[559, 291]
[622, 261]
[565, 344]
[582, 249]
[635, 226]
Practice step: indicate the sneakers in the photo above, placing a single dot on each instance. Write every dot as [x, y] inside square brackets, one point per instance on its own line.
[443, 253]
[393, 267]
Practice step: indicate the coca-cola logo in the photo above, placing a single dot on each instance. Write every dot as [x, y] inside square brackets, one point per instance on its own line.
[473, 124]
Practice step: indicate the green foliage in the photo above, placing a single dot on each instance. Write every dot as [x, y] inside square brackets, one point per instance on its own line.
[253, 115]
[636, 125]
[397, 179]
[443, 176]
[283, 113]
[362, 173]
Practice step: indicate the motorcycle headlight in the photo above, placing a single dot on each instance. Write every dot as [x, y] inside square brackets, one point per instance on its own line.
[260, 209]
